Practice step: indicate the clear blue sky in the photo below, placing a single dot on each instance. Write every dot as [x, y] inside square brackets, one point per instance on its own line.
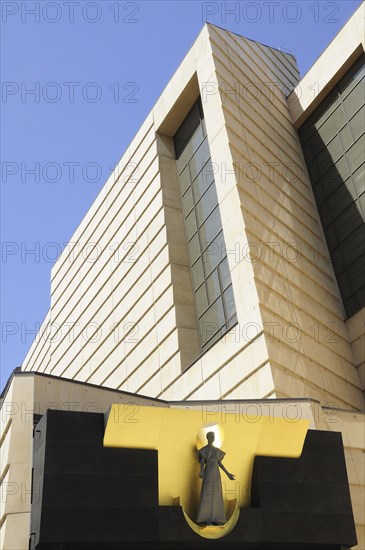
[97, 68]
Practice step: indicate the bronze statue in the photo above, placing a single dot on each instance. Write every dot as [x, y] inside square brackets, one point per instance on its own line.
[211, 506]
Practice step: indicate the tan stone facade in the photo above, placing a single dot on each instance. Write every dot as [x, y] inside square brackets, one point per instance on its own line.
[122, 310]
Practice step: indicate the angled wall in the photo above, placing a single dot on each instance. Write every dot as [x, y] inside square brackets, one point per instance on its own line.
[122, 311]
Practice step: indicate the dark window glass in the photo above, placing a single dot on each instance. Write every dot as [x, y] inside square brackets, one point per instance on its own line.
[354, 100]
[355, 155]
[358, 178]
[333, 144]
[203, 180]
[352, 79]
[330, 127]
[361, 204]
[336, 203]
[212, 320]
[191, 146]
[346, 138]
[211, 277]
[357, 123]
[197, 273]
[324, 160]
[228, 301]
[349, 251]
[187, 128]
[184, 179]
[343, 226]
[208, 231]
[191, 225]
[187, 202]
[213, 286]
[199, 159]
[331, 180]
[353, 278]
[213, 254]
[353, 303]
[194, 248]
[201, 299]
[224, 274]
[206, 204]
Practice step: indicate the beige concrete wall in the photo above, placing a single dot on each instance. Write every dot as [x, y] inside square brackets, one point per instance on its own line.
[15, 463]
[122, 312]
[297, 297]
[116, 318]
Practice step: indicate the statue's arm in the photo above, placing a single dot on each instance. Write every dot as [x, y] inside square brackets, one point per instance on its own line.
[230, 476]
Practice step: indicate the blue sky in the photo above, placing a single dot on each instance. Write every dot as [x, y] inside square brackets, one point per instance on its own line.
[78, 79]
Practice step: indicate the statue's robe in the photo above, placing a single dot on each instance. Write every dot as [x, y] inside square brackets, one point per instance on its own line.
[211, 506]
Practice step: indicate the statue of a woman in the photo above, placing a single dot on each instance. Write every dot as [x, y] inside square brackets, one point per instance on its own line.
[211, 506]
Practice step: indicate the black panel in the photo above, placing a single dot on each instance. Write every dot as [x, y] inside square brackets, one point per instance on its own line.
[95, 498]
[87, 492]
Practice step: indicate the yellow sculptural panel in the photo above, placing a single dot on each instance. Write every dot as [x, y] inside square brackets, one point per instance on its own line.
[176, 434]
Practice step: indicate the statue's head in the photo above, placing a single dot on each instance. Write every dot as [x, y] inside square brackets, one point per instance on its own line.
[210, 437]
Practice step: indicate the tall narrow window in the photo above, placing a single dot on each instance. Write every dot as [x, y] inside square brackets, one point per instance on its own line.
[333, 145]
[211, 278]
